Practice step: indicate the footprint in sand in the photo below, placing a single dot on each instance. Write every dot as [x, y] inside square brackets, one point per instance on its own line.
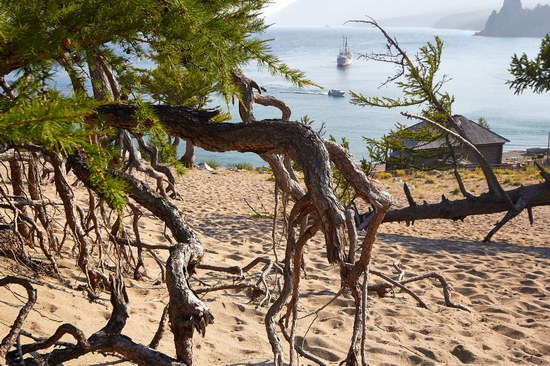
[417, 360]
[463, 354]
[508, 331]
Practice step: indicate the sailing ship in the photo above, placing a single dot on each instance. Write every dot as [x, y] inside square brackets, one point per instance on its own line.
[344, 57]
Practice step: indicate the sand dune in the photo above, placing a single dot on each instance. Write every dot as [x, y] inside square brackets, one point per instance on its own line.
[505, 283]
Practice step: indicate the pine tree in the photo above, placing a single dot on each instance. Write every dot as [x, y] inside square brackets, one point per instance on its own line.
[532, 74]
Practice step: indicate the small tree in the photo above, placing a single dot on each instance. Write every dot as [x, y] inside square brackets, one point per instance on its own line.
[416, 77]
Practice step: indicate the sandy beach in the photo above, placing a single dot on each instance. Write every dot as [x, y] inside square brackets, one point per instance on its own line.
[505, 283]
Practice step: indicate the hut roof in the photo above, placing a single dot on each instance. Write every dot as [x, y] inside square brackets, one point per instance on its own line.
[476, 133]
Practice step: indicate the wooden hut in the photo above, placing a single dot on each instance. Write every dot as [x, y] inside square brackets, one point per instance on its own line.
[486, 141]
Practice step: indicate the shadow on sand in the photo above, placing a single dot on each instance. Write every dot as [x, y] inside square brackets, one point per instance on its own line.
[453, 246]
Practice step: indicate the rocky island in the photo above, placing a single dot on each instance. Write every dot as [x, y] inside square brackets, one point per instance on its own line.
[515, 21]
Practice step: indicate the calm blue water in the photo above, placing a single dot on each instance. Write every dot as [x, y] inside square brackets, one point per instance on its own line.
[477, 68]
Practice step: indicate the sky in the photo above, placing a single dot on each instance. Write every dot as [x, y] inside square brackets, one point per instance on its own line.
[277, 5]
[335, 12]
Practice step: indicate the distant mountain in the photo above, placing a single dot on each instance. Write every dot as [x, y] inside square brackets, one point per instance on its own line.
[515, 21]
[474, 20]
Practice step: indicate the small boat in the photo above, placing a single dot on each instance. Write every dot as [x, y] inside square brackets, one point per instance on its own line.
[336, 93]
[344, 57]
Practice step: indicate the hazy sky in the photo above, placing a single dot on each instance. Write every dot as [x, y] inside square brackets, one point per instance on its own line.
[335, 12]
[277, 5]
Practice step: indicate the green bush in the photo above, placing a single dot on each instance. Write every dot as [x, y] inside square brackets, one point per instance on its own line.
[212, 164]
[244, 166]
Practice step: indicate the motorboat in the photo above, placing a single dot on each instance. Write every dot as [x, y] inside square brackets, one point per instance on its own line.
[336, 93]
[344, 56]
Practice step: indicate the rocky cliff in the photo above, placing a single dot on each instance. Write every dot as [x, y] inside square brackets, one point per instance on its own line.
[515, 21]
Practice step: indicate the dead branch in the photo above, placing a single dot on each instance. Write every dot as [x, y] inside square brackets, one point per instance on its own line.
[299, 207]
[518, 208]
[534, 195]
[240, 271]
[95, 279]
[298, 347]
[409, 195]
[9, 340]
[134, 161]
[421, 302]
[24, 219]
[543, 173]
[155, 164]
[36, 195]
[446, 287]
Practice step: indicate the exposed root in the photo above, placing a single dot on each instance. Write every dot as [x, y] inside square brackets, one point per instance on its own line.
[161, 329]
[390, 283]
[10, 339]
[107, 340]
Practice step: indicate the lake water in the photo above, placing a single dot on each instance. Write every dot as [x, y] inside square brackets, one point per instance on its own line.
[477, 68]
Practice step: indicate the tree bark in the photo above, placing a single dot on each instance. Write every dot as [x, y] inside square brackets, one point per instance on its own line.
[188, 159]
[185, 309]
[16, 171]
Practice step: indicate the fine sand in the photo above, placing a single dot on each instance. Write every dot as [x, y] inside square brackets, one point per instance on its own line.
[506, 284]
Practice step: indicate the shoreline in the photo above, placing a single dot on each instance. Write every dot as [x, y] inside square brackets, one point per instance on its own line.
[232, 158]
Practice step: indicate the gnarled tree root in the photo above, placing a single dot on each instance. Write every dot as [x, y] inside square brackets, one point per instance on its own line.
[107, 340]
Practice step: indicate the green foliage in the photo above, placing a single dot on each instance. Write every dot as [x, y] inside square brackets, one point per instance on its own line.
[395, 149]
[51, 121]
[532, 74]
[244, 166]
[111, 189]
[57, 124]
[417, 81]
[149, 126]
[483, 123]
[342, 188]
[417, 78]
[193, 46]
[214, 164]
[306, 121]
[367, 167]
